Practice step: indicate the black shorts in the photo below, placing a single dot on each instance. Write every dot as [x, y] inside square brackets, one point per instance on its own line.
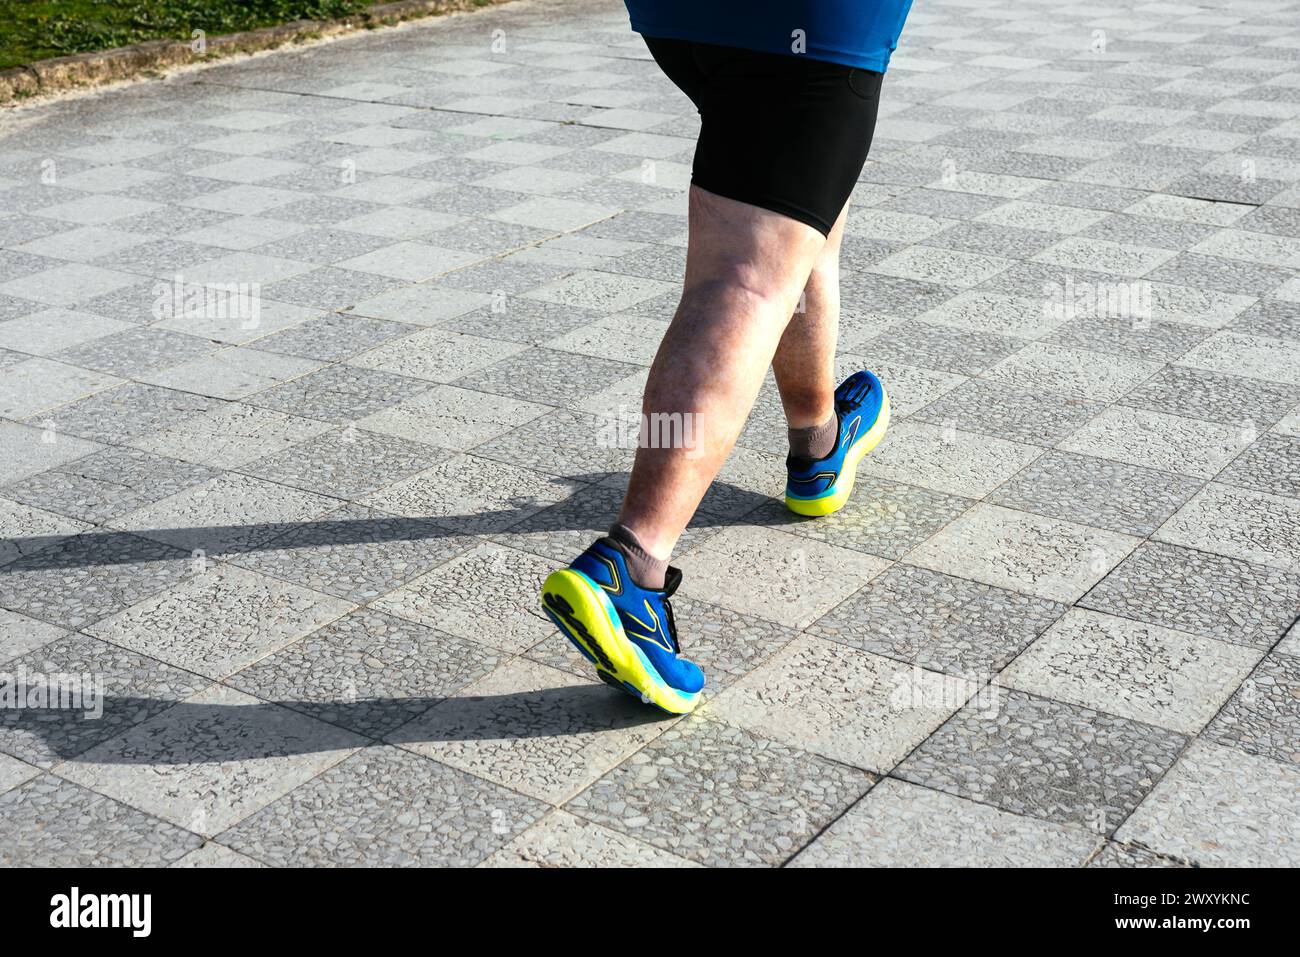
[785, 133]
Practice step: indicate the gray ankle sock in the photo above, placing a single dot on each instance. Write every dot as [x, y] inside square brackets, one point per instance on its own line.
[816, 441]
[646, 570]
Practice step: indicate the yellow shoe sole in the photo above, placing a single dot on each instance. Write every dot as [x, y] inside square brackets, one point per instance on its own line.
[839, 493]
[583, 612]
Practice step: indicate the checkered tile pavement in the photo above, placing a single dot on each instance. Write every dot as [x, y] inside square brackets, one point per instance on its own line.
[299, 541]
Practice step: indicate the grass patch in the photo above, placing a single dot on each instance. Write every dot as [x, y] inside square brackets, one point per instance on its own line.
[32, 30]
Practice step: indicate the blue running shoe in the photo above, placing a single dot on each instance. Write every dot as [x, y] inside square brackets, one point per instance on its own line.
[626, 631]
[822, 486]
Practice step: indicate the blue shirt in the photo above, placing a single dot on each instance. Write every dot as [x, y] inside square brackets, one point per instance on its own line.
[859, 33]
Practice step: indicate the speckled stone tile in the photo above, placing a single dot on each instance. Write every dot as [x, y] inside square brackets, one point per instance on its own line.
[230, 436]
[1048, 558]
[942, 347]
[49, 822]
[126, 687]
[214, 855]
[453, 418]
[1255, 357]
[20, 634]
[1054, 761]
[554, 377]
[1115, 855]
[1263, 717]
[225, 516]
[1201, 593]
[333, 337]
[354, 552]
[79, 580]
[901, 825]
[108, 483]
[1035, 418]
[938, 622]
[536, 730]
[386, 806]
[568, 442]
[345, 463]
[211, 760]
[720, 795]
[220, 620]
[1158, 440]
[1187, 815]
[339, 393]
[1097, 492]
[488, 595]
[472, 494]
[763, 571]
[27, 529]
[128, 411]
[881, 518]
[562, 840]
[14, 772]
[437, 355]
[368, 672]
[946, 459]
[1254, 526]
[1198, 394]
[1145, 672]
[844, 704]
[1080, 373]
[520, 320]
[1270, 464]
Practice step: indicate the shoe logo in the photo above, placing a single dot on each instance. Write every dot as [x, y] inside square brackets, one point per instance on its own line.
[654, 630]
[615, 587]
[853, 431]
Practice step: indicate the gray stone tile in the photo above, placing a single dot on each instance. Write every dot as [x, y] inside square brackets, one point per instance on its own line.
[764, 571]
[1036, 418]
[902, 825]
[1228, 521]
[1201, 593]
[385, 806]
[354, 552]
[128, 411]
[368, 672]
[1187, 816]
[108, 483]
[339, 393]
[1097, 492]
[332, 338]
[554, 377]
[1116, 855]
[345, 463]
[472, 495]
[1263, 717]
[1140, 671]
[79, 580]
[230, 435]
[882, 518]
[49, 822]
[137, 351]
[848, 705]
[1048, 558]
[211, 760]
[720, 795]
[536, 730]
[109, 690]
[938, 622]
[946, 459]
[1200, 394]
[1058, 762]
[1270, 464]
[257, 616]
[562, 840]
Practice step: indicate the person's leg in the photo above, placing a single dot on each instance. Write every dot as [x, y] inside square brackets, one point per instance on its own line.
[746, 268]
[804, 363]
